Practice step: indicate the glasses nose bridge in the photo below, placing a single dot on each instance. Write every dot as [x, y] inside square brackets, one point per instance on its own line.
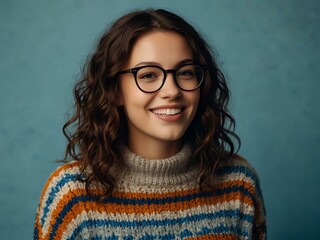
[173, 71]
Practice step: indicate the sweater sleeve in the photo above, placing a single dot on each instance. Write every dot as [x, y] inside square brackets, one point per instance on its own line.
[259, 227]
[259, 230]
[53, 206]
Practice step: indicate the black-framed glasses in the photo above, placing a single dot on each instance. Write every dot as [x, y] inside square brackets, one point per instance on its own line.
[151, 78]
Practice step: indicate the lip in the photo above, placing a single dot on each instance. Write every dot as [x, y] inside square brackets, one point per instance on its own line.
[169, 118]
[168, 107]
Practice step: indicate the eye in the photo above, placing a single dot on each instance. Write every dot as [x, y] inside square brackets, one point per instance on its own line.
[148, 76]
[186, 73]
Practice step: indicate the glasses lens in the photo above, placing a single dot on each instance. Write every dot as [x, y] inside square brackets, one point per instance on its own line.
[189, 77]
[149, 79]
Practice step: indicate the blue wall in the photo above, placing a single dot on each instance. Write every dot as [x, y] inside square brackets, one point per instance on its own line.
[269, 51]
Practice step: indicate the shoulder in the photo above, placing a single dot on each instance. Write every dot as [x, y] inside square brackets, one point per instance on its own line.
[238, 171]
[65, 180]
[237, 166]
[66, 174]
[62, 179]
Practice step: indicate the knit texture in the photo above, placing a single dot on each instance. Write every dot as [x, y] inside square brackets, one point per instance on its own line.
[154, 199]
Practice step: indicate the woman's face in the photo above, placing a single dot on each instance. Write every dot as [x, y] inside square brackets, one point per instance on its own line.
[165, 115]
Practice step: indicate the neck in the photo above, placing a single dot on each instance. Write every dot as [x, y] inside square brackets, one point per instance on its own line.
[156, 149]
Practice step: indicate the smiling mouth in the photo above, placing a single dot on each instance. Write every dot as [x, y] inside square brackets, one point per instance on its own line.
[167, 111]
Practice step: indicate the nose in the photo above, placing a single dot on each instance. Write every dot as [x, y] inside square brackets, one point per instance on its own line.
[170, 88]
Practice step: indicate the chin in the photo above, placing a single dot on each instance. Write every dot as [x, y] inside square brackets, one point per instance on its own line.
[172, 137]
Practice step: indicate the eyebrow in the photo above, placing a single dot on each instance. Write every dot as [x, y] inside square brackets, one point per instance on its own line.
[158, 64]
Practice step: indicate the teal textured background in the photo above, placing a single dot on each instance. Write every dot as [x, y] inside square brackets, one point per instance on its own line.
[269, 51]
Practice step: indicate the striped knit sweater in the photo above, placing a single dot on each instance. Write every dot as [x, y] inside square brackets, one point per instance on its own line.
[154, 199]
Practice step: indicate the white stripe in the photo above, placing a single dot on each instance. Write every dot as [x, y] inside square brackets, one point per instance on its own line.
[192, 226]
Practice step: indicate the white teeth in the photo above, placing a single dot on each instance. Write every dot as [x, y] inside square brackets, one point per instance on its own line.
[168, 111]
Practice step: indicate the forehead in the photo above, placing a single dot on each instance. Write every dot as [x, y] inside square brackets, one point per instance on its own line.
[163, 47]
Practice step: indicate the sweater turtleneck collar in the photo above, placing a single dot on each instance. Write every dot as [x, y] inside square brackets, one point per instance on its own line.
[176, 169]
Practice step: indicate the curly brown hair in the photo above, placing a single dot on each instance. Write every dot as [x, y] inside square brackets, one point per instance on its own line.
[98, 126]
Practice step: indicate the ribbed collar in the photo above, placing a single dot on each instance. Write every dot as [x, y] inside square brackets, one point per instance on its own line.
[176, 169]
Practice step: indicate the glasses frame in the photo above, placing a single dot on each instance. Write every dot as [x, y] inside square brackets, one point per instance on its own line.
[165, 72]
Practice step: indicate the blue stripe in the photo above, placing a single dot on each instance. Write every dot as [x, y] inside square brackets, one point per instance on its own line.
[169, 222]
[112, 237]
[36, 233]
[53, 192]
[186, 234]
[238, 169]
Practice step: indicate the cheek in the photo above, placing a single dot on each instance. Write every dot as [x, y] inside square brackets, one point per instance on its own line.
[132, 98]
[135, 102]
[127, 88]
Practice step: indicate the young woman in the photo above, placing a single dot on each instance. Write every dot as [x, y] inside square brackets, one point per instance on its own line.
[151, 143]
